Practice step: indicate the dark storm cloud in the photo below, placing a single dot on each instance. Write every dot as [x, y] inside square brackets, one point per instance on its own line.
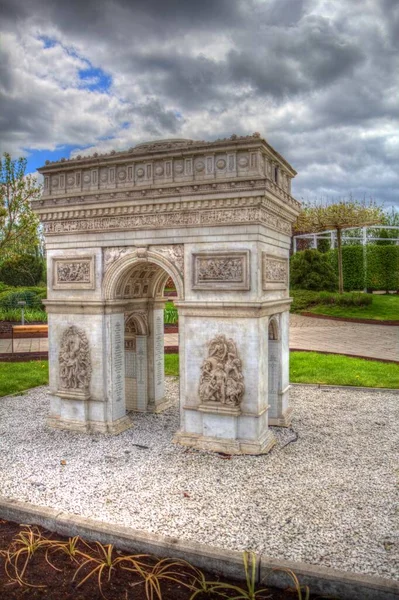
[319, 79]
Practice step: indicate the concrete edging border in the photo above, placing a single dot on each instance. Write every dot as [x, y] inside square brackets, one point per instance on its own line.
[345, 388]
[321, 580]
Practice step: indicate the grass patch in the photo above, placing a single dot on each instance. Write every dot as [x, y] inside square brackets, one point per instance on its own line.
[333, 369]
[328, 369]
[171, 364]
[384, 308]
[305, 367]
[19, 376]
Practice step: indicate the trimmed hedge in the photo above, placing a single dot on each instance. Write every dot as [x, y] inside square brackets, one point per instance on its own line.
[352, 264]
[382, 268]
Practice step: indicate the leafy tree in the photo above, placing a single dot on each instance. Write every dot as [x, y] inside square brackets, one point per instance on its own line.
[312, 270]
[340, 215]
[391, 219]
[18, 224]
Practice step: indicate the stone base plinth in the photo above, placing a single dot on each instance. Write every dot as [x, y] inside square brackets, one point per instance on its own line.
[112, 428]
[284, 420]
[227, 446]
[221, 409]
[162, 405]
[73, 394]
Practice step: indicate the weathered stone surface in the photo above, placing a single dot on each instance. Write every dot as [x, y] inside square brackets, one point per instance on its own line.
[215, 218]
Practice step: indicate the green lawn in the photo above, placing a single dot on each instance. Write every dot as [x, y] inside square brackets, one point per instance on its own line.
[19, 376]
[333, 369]
[305, 367]
[329, 369]
[384, 308]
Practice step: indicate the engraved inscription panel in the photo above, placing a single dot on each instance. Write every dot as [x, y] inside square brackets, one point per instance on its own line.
[274, 272]
[221, 271]
[73, 273]
[118, 358]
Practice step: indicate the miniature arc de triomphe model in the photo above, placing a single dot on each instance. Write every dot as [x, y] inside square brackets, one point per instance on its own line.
[215, 217]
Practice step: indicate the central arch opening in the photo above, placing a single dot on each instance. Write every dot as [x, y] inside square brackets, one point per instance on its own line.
[142, 287]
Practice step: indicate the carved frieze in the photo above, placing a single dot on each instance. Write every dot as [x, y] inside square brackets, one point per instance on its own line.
[222, 381]
[74, 361]
[178, 218]
[174, 253]
[274, 272]
[74, 273]
[221, 271]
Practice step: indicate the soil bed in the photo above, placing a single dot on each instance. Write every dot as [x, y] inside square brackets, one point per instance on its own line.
[57, 581]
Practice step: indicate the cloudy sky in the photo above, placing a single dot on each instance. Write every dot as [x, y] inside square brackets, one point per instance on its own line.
[318, 78]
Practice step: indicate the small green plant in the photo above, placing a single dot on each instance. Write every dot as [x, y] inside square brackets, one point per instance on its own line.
[26, 543]
[170, 313]
[69, 548]
[163, 570]
[248, 593]
[13, 315]
[303, 592]
[104, 563]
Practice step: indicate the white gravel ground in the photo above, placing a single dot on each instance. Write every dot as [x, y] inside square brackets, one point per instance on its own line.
[329, 498]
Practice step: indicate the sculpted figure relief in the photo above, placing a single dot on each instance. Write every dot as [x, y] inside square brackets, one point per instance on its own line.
[74, 360]
[73, 271]
[275, 270]
[220, 269]
[222, 380]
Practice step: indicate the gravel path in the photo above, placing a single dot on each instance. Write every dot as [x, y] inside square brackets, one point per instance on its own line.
[329, 498]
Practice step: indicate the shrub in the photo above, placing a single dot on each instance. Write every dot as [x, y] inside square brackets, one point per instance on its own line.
[351, 299]
[11, 299]
[22, 270]
[323, 244]
[303, 299]
[32, 315]
[170, 313]
[312, 270]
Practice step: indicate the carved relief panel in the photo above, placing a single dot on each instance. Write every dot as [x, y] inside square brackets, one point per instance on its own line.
[221, 271]
[222, 381]
[74, 273]
[74, 361]
[274, 272]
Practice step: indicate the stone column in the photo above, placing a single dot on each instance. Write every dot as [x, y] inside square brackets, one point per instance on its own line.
[280, 413]
[142, 372]
[86, 352]
[223, 361]
[156, 362]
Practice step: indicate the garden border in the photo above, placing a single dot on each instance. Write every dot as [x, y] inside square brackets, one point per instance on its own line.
[350, 319]
[321, 580]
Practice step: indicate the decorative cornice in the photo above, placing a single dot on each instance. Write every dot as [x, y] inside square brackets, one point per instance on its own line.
[171, 146]
[166, 192]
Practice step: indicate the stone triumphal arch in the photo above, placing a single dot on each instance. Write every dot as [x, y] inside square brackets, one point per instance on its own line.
[216, 218]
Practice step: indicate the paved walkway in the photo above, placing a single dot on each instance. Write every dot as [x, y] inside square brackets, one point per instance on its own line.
[374, 341]
[343, 337]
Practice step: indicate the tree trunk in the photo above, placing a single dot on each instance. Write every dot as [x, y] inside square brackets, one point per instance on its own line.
[340, 269]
